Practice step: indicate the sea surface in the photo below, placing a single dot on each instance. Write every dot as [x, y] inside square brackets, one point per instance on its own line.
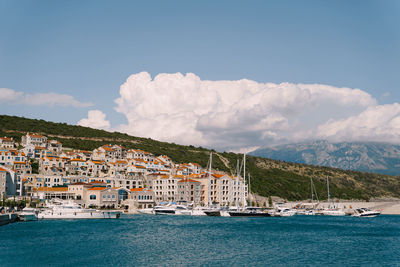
[148, 240]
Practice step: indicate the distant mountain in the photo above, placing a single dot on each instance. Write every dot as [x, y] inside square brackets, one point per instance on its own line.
[381, 158]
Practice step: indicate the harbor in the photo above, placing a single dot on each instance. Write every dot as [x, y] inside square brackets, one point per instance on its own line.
[145, 240]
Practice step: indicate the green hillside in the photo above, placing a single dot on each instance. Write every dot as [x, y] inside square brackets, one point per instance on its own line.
[269, 177]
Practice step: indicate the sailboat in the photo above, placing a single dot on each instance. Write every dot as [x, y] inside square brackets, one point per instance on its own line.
[310, 209]
[245, 211]
[334, 211]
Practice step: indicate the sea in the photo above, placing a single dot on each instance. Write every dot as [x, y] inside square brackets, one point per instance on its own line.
[162, 240]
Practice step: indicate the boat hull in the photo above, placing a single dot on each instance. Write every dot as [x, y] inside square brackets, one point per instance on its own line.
[248, 214]
[8, 218]
[28, 217]
[79, 215]
[164, 212]
[214, 213]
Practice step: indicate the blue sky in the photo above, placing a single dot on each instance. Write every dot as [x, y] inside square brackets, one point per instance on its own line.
[87, 49]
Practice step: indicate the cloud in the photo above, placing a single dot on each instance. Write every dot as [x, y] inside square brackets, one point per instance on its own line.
[230, 114]
[40, 99]
[378, 123]
[96, 119]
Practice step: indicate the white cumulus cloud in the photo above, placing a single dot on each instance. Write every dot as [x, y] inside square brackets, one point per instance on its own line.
[231, 114]
[96, 119]
[380, 123]
[11, 96]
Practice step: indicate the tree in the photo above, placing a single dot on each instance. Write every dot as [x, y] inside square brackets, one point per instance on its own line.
[270, 201]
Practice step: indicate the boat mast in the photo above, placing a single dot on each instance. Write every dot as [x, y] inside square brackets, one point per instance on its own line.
[329, 196]
[312, 191]
[209, 182]
[237, 185]
[244, 181]
[249, 189]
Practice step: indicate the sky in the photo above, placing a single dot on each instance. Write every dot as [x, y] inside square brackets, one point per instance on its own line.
[229, 75]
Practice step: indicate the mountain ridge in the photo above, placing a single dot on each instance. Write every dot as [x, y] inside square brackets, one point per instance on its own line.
[379, 157]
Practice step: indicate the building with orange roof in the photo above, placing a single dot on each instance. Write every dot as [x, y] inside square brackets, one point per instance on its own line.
[139, 198]
[7, 143]
[34, 139]
[189, 190]
[102, 197]
[47, 193]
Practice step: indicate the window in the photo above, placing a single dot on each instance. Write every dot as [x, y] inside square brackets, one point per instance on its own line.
[104, 196]
[92, 196]
[113, 196]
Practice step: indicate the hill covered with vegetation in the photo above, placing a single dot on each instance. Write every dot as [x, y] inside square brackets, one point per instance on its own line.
[268, 177]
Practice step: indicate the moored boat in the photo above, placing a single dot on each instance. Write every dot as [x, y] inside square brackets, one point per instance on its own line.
[28, 214]
[364, 212]
[72, 210]
[249, 212]
[283, 212]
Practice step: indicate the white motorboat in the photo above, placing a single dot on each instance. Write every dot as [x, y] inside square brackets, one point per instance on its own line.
[307, 212]
[28, 214]
[249, 212]
[364, 212]
[182, 210]
[333, 212]
[72, 210]
[146, 211]
[199, 211]
[164, 210]
[283, 212]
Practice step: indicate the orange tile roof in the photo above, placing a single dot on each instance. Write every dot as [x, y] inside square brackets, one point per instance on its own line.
[138, 190]
[97, 182]
[36, 135]
[188, 180]
[97, 188]
[80, 183]
[2, 169]
[107, 148]
[140, 167]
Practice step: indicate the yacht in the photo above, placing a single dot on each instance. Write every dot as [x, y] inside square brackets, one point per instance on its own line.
[164, 210]
[199, 211]
[182, 210]
[283, 212]
[364, 212]
[28, 214]
[249, 212]
[72, 210]
[146, 211]
[333, 212]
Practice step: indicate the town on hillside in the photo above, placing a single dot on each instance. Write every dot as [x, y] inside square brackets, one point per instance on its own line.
[111, 176]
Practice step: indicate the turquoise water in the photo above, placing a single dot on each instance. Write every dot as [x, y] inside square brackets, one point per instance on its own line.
[142, 240]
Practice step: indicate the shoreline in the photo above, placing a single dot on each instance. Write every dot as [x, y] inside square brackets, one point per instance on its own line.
[385, 207]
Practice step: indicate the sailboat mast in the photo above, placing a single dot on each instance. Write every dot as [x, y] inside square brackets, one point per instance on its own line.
[237, 185]
[249, 189]
[244, 181]
[209, 183]
[329, 196]
[312, 191]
